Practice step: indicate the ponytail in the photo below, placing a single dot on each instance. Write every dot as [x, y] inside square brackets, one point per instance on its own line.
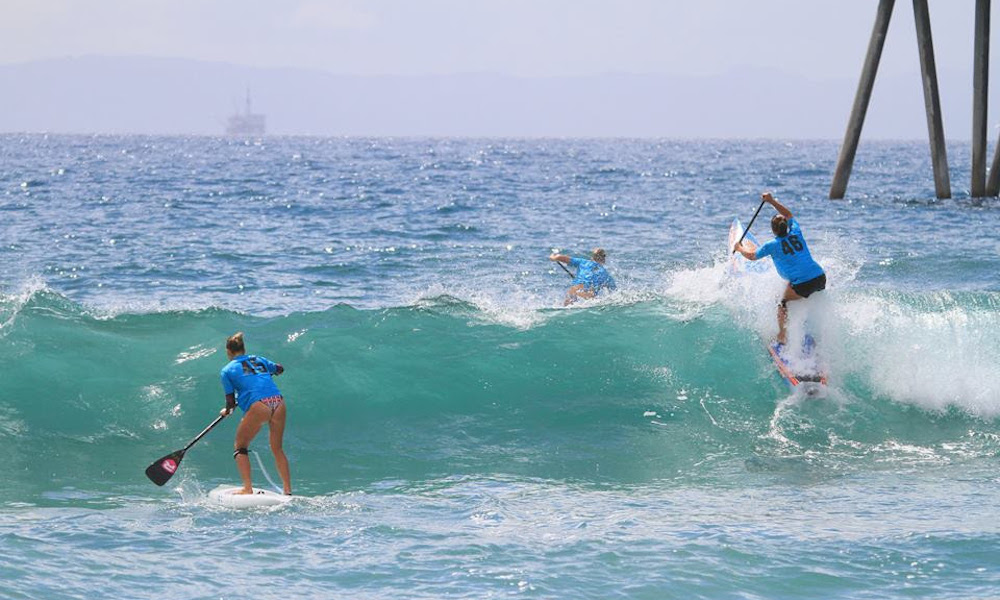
[235, 343]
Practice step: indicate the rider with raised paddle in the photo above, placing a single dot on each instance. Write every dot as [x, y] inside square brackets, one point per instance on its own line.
[791, 258]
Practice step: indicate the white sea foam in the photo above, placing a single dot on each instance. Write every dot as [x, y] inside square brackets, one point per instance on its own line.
[12, 303]
[932, 350]
[935, 354]
[194, 353]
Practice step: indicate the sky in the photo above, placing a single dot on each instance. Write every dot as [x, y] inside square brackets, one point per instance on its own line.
[712, 68]
[821, 39]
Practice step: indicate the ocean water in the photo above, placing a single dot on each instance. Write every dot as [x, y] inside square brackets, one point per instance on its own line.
[453, 431]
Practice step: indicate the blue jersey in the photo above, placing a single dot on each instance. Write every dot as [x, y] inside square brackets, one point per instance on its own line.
[249, 377]
[592, 275]
[791, 256]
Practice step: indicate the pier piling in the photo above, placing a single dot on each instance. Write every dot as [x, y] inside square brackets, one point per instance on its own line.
[980, 88]
[932, 99]
[861, 99]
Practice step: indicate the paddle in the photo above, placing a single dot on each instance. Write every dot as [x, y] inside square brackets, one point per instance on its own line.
[164, 468]
[749, 225]
[565, 269]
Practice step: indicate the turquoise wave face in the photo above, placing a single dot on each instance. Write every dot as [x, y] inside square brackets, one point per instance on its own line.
[622, 393]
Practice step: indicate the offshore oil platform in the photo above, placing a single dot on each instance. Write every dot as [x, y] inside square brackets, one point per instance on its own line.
[246, 124]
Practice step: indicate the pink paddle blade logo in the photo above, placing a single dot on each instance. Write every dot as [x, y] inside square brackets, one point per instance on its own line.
[169, 465]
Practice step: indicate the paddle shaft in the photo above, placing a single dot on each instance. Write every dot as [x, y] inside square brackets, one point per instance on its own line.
[749, 225]
[565, 269]
[203, 432]
[164, 468]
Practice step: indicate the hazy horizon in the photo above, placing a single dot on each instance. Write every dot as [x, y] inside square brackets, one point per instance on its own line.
[776, 69]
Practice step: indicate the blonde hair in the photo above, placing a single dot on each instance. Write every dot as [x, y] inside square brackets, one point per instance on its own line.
[598, 254]
[234, 343]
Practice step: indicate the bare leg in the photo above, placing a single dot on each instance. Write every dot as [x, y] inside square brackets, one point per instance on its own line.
[255, 417]
[788, 296]
[577, 292]
[276, 428]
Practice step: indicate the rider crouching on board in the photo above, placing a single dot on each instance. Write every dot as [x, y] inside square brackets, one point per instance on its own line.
[791, 258]
[247, 382]
[591, 276]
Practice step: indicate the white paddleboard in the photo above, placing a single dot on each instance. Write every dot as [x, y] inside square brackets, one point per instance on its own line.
[225, 495]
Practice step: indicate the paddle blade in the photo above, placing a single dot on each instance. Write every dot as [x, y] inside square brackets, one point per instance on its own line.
[164, 468]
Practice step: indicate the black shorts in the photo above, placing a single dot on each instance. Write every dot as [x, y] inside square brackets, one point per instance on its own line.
[806, 288]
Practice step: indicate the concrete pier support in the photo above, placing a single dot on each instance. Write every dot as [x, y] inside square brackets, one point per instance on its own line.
[980, 89]
[993, 184]
[861, 99]
[932, 99]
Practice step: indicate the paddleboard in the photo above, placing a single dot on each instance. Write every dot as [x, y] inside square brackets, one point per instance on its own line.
[738, 265]
[225, 495]
[798, 364]
[799, 367]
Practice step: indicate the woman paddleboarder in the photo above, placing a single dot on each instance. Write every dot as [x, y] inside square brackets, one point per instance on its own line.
[247, 382]
[792, 260]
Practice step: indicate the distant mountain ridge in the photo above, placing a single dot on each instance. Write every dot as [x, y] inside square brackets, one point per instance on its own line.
[96, 94]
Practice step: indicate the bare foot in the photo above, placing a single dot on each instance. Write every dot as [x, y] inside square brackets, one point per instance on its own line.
[243, 492]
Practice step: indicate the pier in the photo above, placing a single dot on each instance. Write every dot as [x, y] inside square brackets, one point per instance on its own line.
[983, 182]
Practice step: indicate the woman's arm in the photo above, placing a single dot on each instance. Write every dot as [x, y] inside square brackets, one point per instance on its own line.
[230, 404]
[747, 249]
[778, 206]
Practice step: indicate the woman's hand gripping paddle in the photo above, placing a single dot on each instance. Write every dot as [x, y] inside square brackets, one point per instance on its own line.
[749, 225]
[164, 468]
